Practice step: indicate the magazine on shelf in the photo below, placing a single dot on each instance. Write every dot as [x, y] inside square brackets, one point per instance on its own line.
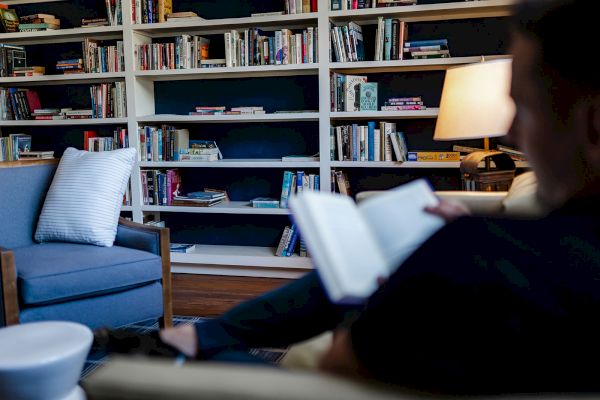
[354, 245]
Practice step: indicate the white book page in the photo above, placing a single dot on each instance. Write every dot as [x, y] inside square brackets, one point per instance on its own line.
[341, 244]
[399, 222]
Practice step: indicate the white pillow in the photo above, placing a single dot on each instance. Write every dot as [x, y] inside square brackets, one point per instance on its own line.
[84, 201]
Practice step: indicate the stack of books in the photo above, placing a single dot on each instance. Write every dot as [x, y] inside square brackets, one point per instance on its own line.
[424, 49]
[213, 63]
[93, 22]
[201, 150]
[70, 66]
[79, 114]
[183, 16]
[49, 113]
[209, 110]
[404, 104]
[39, 22]
[200, 199]
[29, 71]
[338, 5]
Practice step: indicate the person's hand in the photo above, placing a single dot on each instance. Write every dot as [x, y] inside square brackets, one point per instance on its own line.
[340, 358]
[449, 210]
[183, 338]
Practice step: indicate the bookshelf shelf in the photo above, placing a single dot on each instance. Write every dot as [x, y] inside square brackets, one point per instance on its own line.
[242, 256]
[229, 72]
[428, 12]
[283, 117]
[74, 79]
[231, 163]
[126, 208]
[23, 2]
[228, 207]
[62, 35]
[66, 122]
[428, 113]
[215, 26]
[407, 164]
[407, 65]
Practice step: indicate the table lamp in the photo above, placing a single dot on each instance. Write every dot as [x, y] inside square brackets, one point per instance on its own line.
[476, 104]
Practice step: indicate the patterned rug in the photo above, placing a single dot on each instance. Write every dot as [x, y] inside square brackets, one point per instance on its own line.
[96, 359]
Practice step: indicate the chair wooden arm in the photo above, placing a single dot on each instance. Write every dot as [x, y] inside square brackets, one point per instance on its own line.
[165, 255]
[9, 301]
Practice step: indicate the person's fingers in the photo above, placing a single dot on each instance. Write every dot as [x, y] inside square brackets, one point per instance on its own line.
[182, 338]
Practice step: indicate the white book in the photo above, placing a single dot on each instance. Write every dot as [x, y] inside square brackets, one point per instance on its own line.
[377, 145]
[352, 246]
[228, 57]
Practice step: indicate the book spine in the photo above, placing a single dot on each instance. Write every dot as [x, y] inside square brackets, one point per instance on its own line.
[387, 40]
[371, 127]
[282, 241]
[285, 189]
[288, 239]
[289, 251]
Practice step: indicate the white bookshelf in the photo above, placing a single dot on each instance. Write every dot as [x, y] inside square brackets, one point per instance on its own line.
[362, 115]
[229, 72]
[67, 122]
[227, 207]
[232, 163]
[428, 12]
[74, 79]
[279, 117]
[245, 260]
[62, 35]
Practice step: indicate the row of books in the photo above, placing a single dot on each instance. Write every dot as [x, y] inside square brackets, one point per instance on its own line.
[102, 58]
[159, 187]
[297, 182]
[254, 47]
[337, 5]
[290, 239]
[352, 93]
[93, 142]
[108, 100]
[186, 52]
[17, 104]
[368, 142]
[13, 145]
[390, 37]
[149, 11]
[300, 6]
[347, 43]
[114, 11]
[170, 144]
[340, 183]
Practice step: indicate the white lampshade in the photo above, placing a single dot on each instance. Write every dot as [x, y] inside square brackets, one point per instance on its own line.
[475, 102]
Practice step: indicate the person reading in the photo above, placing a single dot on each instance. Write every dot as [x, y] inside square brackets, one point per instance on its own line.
[515, 306]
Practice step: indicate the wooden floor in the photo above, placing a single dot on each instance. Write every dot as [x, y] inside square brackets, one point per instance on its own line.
[207, 295]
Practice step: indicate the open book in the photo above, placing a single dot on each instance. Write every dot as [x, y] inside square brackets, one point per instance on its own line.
[352, 245]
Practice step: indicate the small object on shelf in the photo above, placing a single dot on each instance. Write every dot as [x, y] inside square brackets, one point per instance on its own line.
[183, 16]
[294, 158]
[267, 14]
[41, 155]
[213, 63]
[434, 156]
[11, 57]
[264, 202]
[28, 71]
[94, 22]
[404, 104]
[488, 179]
[182, 248]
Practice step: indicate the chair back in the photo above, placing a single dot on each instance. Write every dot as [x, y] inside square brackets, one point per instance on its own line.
[22, 193]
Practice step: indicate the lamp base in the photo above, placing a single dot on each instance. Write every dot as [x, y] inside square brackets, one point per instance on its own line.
[490, 179]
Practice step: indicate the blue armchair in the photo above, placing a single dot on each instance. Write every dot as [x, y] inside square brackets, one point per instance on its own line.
[96, 286]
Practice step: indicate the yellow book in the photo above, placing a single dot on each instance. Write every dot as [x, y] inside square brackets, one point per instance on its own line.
[165, 7]
[433, 156]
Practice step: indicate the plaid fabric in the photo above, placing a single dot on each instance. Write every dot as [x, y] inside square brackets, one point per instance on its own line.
[97, 358]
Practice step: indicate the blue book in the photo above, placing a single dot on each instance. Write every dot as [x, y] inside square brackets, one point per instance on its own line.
[182, 247]
[299, 178]
[355, 142]
[271, 50]
[289, 251]
[285, 189]
[160, 145]
[149, 142]
[371, 125]
[205, 195]
[317, 183]
[420, 43]
[387, 37]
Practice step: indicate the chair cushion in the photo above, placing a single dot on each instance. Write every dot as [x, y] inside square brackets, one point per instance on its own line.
[84, 200]
[54, 272]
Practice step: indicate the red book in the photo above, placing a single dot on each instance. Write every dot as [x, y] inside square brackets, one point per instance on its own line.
[86, 139]
[313, 5]
[33, 100]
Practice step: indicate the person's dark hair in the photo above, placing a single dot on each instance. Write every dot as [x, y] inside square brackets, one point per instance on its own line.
[566, 31]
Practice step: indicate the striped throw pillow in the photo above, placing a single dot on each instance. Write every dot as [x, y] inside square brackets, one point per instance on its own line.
[84, 201]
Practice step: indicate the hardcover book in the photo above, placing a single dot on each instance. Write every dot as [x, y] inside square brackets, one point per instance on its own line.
[353, 246]
[10, 20]
[352, 92]
[368, 97]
